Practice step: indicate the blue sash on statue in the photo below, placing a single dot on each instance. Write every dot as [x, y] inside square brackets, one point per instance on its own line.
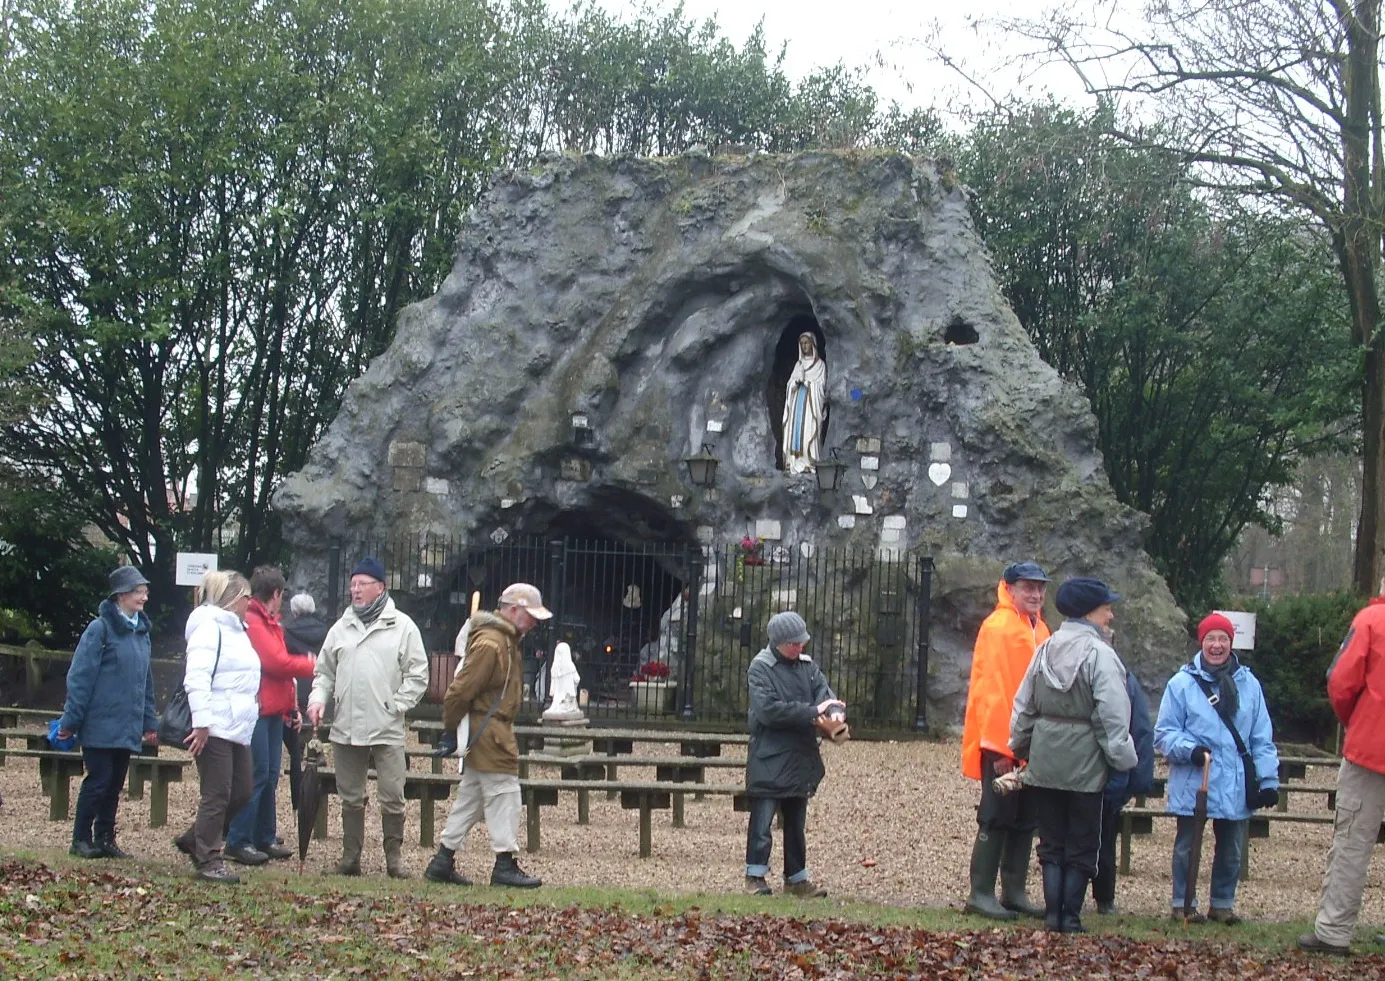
[800, 408]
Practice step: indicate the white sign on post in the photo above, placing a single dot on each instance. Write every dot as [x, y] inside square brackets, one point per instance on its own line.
[1245, 629]
[192, 566]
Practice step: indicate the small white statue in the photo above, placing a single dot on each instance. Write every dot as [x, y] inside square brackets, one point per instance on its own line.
[805, 408]
[563, 678]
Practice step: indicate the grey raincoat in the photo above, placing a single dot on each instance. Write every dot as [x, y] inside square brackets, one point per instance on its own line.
[1071, 717]
[783, 760]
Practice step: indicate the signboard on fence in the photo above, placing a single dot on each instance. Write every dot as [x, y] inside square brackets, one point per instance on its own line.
[192, 566]
[1245, 629]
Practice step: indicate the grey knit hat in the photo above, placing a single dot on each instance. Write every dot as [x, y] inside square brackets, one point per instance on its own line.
[787, 628]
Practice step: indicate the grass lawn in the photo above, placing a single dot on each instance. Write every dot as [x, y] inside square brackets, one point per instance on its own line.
[63, 919]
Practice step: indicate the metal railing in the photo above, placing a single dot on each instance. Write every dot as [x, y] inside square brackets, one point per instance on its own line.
[664, 631]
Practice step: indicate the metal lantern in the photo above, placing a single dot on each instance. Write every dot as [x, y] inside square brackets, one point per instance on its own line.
[702, 467]
[830, 472]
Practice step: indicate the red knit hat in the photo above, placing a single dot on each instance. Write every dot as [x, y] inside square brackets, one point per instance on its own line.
[1214, 621]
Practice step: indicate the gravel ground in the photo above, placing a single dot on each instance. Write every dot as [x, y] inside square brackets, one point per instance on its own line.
[892, 823]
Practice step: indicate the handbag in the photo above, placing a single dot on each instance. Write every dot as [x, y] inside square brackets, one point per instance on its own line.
[175, 721]
[1247, 762]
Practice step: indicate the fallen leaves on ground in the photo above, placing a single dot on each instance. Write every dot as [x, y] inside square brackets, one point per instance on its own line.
[56, 923]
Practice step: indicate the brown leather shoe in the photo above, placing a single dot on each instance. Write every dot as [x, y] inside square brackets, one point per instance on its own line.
[805, 889]
[1228, 916]
[756, 885]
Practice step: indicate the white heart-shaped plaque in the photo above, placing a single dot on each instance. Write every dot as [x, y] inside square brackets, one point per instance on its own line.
[939, 473]
[868, 480]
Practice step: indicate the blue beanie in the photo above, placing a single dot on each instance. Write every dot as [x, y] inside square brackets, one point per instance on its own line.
[370, 566]
[1080, 596]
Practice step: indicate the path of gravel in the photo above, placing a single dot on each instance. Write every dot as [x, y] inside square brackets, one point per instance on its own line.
[892, 823]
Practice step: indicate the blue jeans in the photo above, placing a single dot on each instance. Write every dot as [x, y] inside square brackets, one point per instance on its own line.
[1226, 860]
[99, 797]
[256, 823]
[760, 837]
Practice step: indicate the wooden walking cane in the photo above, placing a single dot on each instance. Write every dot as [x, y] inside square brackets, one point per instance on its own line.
[1195, 850]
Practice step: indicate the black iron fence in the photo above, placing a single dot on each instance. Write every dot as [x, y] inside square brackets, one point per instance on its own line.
[664, 631]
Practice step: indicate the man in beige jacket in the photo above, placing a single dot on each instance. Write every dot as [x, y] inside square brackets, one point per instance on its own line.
[486, 692]
[374, 665]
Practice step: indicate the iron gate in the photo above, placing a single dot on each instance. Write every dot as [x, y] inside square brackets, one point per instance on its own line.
[664, 632]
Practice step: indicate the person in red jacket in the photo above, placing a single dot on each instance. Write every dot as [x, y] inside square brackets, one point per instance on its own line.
[1005, 833]
[1356, 688]
[252, 836]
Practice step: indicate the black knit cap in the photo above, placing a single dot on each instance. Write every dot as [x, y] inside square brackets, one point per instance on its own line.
[1080, 596]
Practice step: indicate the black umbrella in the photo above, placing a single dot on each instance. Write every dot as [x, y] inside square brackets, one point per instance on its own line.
[293, 742]
[309, 796]
[1195, 851]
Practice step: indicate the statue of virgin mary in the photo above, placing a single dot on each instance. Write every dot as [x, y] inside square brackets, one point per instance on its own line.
[805, 405]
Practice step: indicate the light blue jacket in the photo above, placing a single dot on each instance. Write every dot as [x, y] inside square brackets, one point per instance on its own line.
[110, 684]
[1187, 720]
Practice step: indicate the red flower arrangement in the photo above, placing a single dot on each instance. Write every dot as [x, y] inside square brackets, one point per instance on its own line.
[753, 550]
[652, 671]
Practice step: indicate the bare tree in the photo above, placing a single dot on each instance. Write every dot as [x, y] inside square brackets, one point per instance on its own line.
[1275, 99]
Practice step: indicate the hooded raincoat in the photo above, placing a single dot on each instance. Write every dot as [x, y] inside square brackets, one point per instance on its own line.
[1187, 720]
[490, 676]
[1356, 687]
[110, 684]
[1004, 647]
[1072, 713]
[783, 759]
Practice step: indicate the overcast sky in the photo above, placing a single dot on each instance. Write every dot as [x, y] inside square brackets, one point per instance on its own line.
[858, 32]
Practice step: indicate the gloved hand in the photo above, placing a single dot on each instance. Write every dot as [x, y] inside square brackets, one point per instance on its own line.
[1269, 797]
[447, 743]
[1199, 755]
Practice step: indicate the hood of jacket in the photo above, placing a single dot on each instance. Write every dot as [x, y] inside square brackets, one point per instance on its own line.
[482, 619]
[109, 611]
[1063, 655]
[205, 614]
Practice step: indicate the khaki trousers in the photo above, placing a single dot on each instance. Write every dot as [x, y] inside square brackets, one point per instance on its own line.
[1360, 808]
[496, 795]
[391, 765]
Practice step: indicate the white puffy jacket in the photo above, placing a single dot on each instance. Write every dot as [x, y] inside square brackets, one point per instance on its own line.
[226, 704]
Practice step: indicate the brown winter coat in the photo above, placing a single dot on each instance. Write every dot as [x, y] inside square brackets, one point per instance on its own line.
[492, 644]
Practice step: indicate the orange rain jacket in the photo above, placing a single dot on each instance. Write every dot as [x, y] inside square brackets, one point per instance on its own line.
[1356, 686]
[1004, 648]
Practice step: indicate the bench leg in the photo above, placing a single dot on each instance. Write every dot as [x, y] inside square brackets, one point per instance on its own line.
[320, 825]
[134, 787]
[158, 799]
[531, 824]
[646, 835]
[425, 817]
[57, 803]
[612, 773]
[437, 764]
[584, 800]
[4, 740]
[678, 810]
[1125, 846]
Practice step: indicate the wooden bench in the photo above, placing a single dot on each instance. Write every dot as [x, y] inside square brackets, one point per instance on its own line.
[1296, 767]
[58, 768]
[1140, 821]
[430, 788]
[667, 769]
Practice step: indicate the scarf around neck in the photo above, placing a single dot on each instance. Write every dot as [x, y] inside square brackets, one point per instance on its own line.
[369, 614]
[1226, 684]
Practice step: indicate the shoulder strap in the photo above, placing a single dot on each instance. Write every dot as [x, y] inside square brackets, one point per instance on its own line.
[509, 664]
[1214, 700]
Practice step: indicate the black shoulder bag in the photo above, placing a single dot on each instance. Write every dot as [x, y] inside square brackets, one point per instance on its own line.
[175, 722]
[1247, 763]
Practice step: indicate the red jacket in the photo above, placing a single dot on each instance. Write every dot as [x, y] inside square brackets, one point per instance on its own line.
[1356, 686]
[278, 668]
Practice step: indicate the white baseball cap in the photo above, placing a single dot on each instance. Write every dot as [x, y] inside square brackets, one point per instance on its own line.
[526, 597]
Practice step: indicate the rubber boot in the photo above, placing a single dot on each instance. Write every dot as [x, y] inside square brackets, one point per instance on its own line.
[508, 873]
[1074, 892]
[985, 863]
[392, 831]
[442, 868]
[352, 835]
[1053, 897]
[1014, 870]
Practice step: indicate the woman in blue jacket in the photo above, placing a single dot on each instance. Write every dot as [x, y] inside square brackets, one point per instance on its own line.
[109, 708]
[1199, 702]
